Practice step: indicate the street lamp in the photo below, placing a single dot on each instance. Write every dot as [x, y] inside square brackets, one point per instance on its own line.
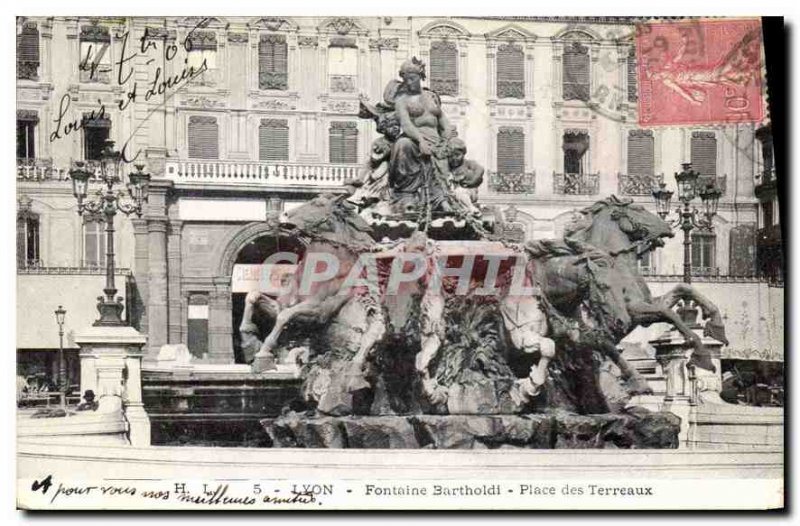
[63, 384]
[108, 202]
[689, 217]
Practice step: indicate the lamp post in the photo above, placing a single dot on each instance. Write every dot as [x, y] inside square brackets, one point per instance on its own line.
[689, 218]
[107, 202]
[63, 384]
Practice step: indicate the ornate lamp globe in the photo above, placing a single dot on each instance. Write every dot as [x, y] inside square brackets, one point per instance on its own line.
[80, 180]
[662, 197]
[687, 182]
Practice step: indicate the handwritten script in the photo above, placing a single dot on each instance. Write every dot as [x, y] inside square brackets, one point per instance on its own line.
[158, 85]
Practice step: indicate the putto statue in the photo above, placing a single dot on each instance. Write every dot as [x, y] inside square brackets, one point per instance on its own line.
[423, 150]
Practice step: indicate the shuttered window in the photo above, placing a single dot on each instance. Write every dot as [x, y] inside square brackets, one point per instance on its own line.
[704, 153]
[272, 62]
[444, 67]
[641, 158]
[28, 52]
[510, 150]
[633, 91]
[576, 72]
[94, 243]
[510, 72]
[343, 140]
[203, 138]
[273, 140]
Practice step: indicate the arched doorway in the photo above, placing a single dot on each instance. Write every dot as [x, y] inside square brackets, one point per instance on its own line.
[248, 275]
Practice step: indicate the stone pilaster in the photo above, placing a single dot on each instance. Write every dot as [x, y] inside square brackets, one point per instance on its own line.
[220, 325]
[141, 264]
[174, 269]
[157, 284]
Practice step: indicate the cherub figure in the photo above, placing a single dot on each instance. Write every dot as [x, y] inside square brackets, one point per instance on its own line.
[465, 175]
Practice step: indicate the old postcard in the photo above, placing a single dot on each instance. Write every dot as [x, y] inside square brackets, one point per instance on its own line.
[399, 263]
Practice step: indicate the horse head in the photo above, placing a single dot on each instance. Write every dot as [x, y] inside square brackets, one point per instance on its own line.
[619, 226]
[329, 218]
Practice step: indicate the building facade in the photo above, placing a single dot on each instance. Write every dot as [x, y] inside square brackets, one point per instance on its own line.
[240, 118]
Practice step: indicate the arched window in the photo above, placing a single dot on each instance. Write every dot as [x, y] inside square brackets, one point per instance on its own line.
[576, 74]
[443, 69]
[273, 140]
[27, 236]
[203, 137]
[272, 62]
[510, 71]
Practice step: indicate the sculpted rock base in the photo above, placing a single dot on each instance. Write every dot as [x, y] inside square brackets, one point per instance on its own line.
[635, 429]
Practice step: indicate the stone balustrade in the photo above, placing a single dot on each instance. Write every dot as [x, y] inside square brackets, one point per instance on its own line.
[260, 173]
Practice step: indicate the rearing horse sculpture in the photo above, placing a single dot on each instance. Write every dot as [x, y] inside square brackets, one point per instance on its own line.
[626, 231]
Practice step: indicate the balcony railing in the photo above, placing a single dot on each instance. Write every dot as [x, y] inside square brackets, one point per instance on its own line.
[261, 173]
[512, 183]
[576, 184]
[720, 181]
[630, 184]
[27, 70]
[43, 170]
[343, 83]
[705, 271]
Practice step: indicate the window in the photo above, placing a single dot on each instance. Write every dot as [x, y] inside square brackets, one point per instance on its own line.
[202, 48]
[197, 325]
[96, 131]
[576, 144]
[203, 137]
[27, 236]
[94, 242]
[272, 62]
[343, 65]
[510, 150]
[444, 67]
[703, 252]
[645, 263]
[704, 153]
[576, 72]
[28, 52]
[641, 157]
[343, 147]
[633, 92]
[273, 140]
[766, 210]
[26, 124]
[510, 72]
[95, 57]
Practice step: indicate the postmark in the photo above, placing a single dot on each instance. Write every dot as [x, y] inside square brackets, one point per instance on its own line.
[700, 72]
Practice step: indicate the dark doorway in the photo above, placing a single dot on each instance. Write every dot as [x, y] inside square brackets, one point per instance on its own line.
[255, 253]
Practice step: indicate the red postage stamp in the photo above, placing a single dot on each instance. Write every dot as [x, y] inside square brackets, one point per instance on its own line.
[699, 72]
